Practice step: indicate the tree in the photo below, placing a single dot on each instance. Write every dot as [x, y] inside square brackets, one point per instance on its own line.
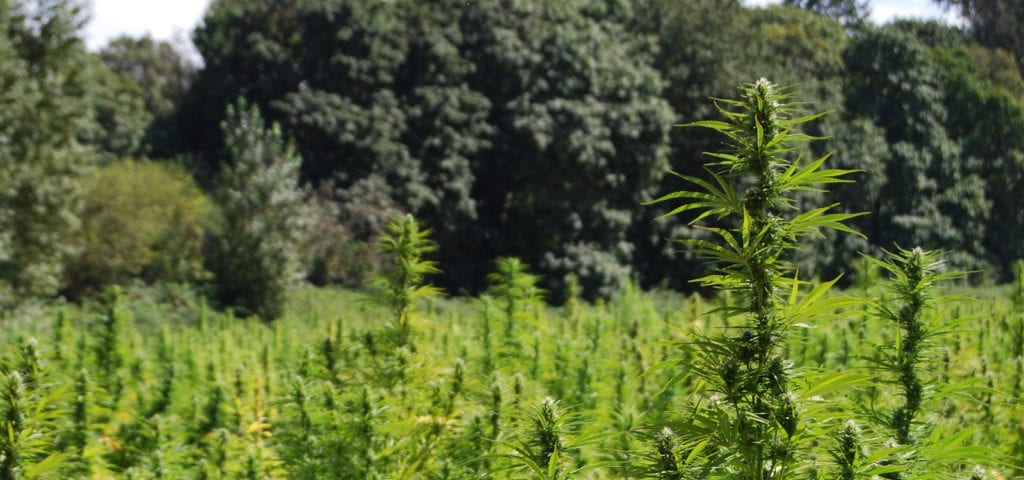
[448, 131]
[932, 194]
[699, 55]
[994, 23]
[43, 83]
[155, 65]
[858, 145]
[986, 116]
[377, 98]
[433, 104]
[247, 52]
[161, 77]
[120, 117]
[852, 14]
[255, 255]
[580, 138]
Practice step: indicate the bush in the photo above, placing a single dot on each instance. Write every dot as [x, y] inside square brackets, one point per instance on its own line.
[346, 226]
[140, 220]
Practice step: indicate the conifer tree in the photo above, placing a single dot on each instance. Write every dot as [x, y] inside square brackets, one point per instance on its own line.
[255, 256]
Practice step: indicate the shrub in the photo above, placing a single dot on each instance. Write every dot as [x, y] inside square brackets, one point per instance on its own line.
[346, 228]
[140, 220]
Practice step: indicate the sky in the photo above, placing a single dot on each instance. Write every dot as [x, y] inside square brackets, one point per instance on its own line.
[163, 19]
[884, 10]
[170, 19]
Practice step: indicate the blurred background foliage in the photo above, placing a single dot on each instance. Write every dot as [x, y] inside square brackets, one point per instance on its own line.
[525, 128]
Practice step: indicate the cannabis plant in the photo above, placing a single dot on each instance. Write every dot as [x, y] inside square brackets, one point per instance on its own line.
[29, 410]
[544, 449]
[919, 317]
[401, 285]
[752, 422]
[515, 290]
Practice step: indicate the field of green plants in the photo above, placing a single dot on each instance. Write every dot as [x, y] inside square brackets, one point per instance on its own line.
[119, 391]
[454, 239]
[908, 375]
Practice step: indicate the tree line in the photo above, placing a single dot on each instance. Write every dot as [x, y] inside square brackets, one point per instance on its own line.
[526, 128]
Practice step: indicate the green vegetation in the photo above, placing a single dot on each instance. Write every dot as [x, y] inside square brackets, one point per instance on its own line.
[752, 191]
[507, 149]
[140, 220]
[331, 391]
[520, 128]
[138, 390]
[255, 250]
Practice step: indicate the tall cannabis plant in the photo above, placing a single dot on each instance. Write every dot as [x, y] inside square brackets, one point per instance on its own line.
[920, 316]
[913, 274]
[752, 427]
[402, 284]
[515, 290]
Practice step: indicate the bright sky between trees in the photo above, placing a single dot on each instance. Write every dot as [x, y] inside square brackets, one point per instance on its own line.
[884, 10]
[165, 19]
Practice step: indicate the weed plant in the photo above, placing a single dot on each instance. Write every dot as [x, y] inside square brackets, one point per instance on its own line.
[402, 284]
[920, 317]
[749, 424]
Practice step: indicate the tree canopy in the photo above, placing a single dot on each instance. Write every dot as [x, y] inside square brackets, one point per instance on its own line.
[518, 128]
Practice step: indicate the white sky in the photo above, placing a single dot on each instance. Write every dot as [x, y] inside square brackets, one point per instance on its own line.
[163, 19]
[884, 10]
[170, 19]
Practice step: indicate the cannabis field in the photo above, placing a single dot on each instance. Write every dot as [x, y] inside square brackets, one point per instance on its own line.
[131, 390]
[452, 239]
[767, 376]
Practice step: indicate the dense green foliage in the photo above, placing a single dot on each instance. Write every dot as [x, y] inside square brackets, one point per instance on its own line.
[507, 148]
[156, 76]
[140, 220]
[994, 23]
[255, 251]
[45, 109]
[851, 13]
[143, 390]
[534, 129]
[902, 384]
[413, 99]
[523, 128]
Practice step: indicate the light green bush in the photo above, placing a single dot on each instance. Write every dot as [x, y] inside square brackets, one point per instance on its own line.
[140, 220]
